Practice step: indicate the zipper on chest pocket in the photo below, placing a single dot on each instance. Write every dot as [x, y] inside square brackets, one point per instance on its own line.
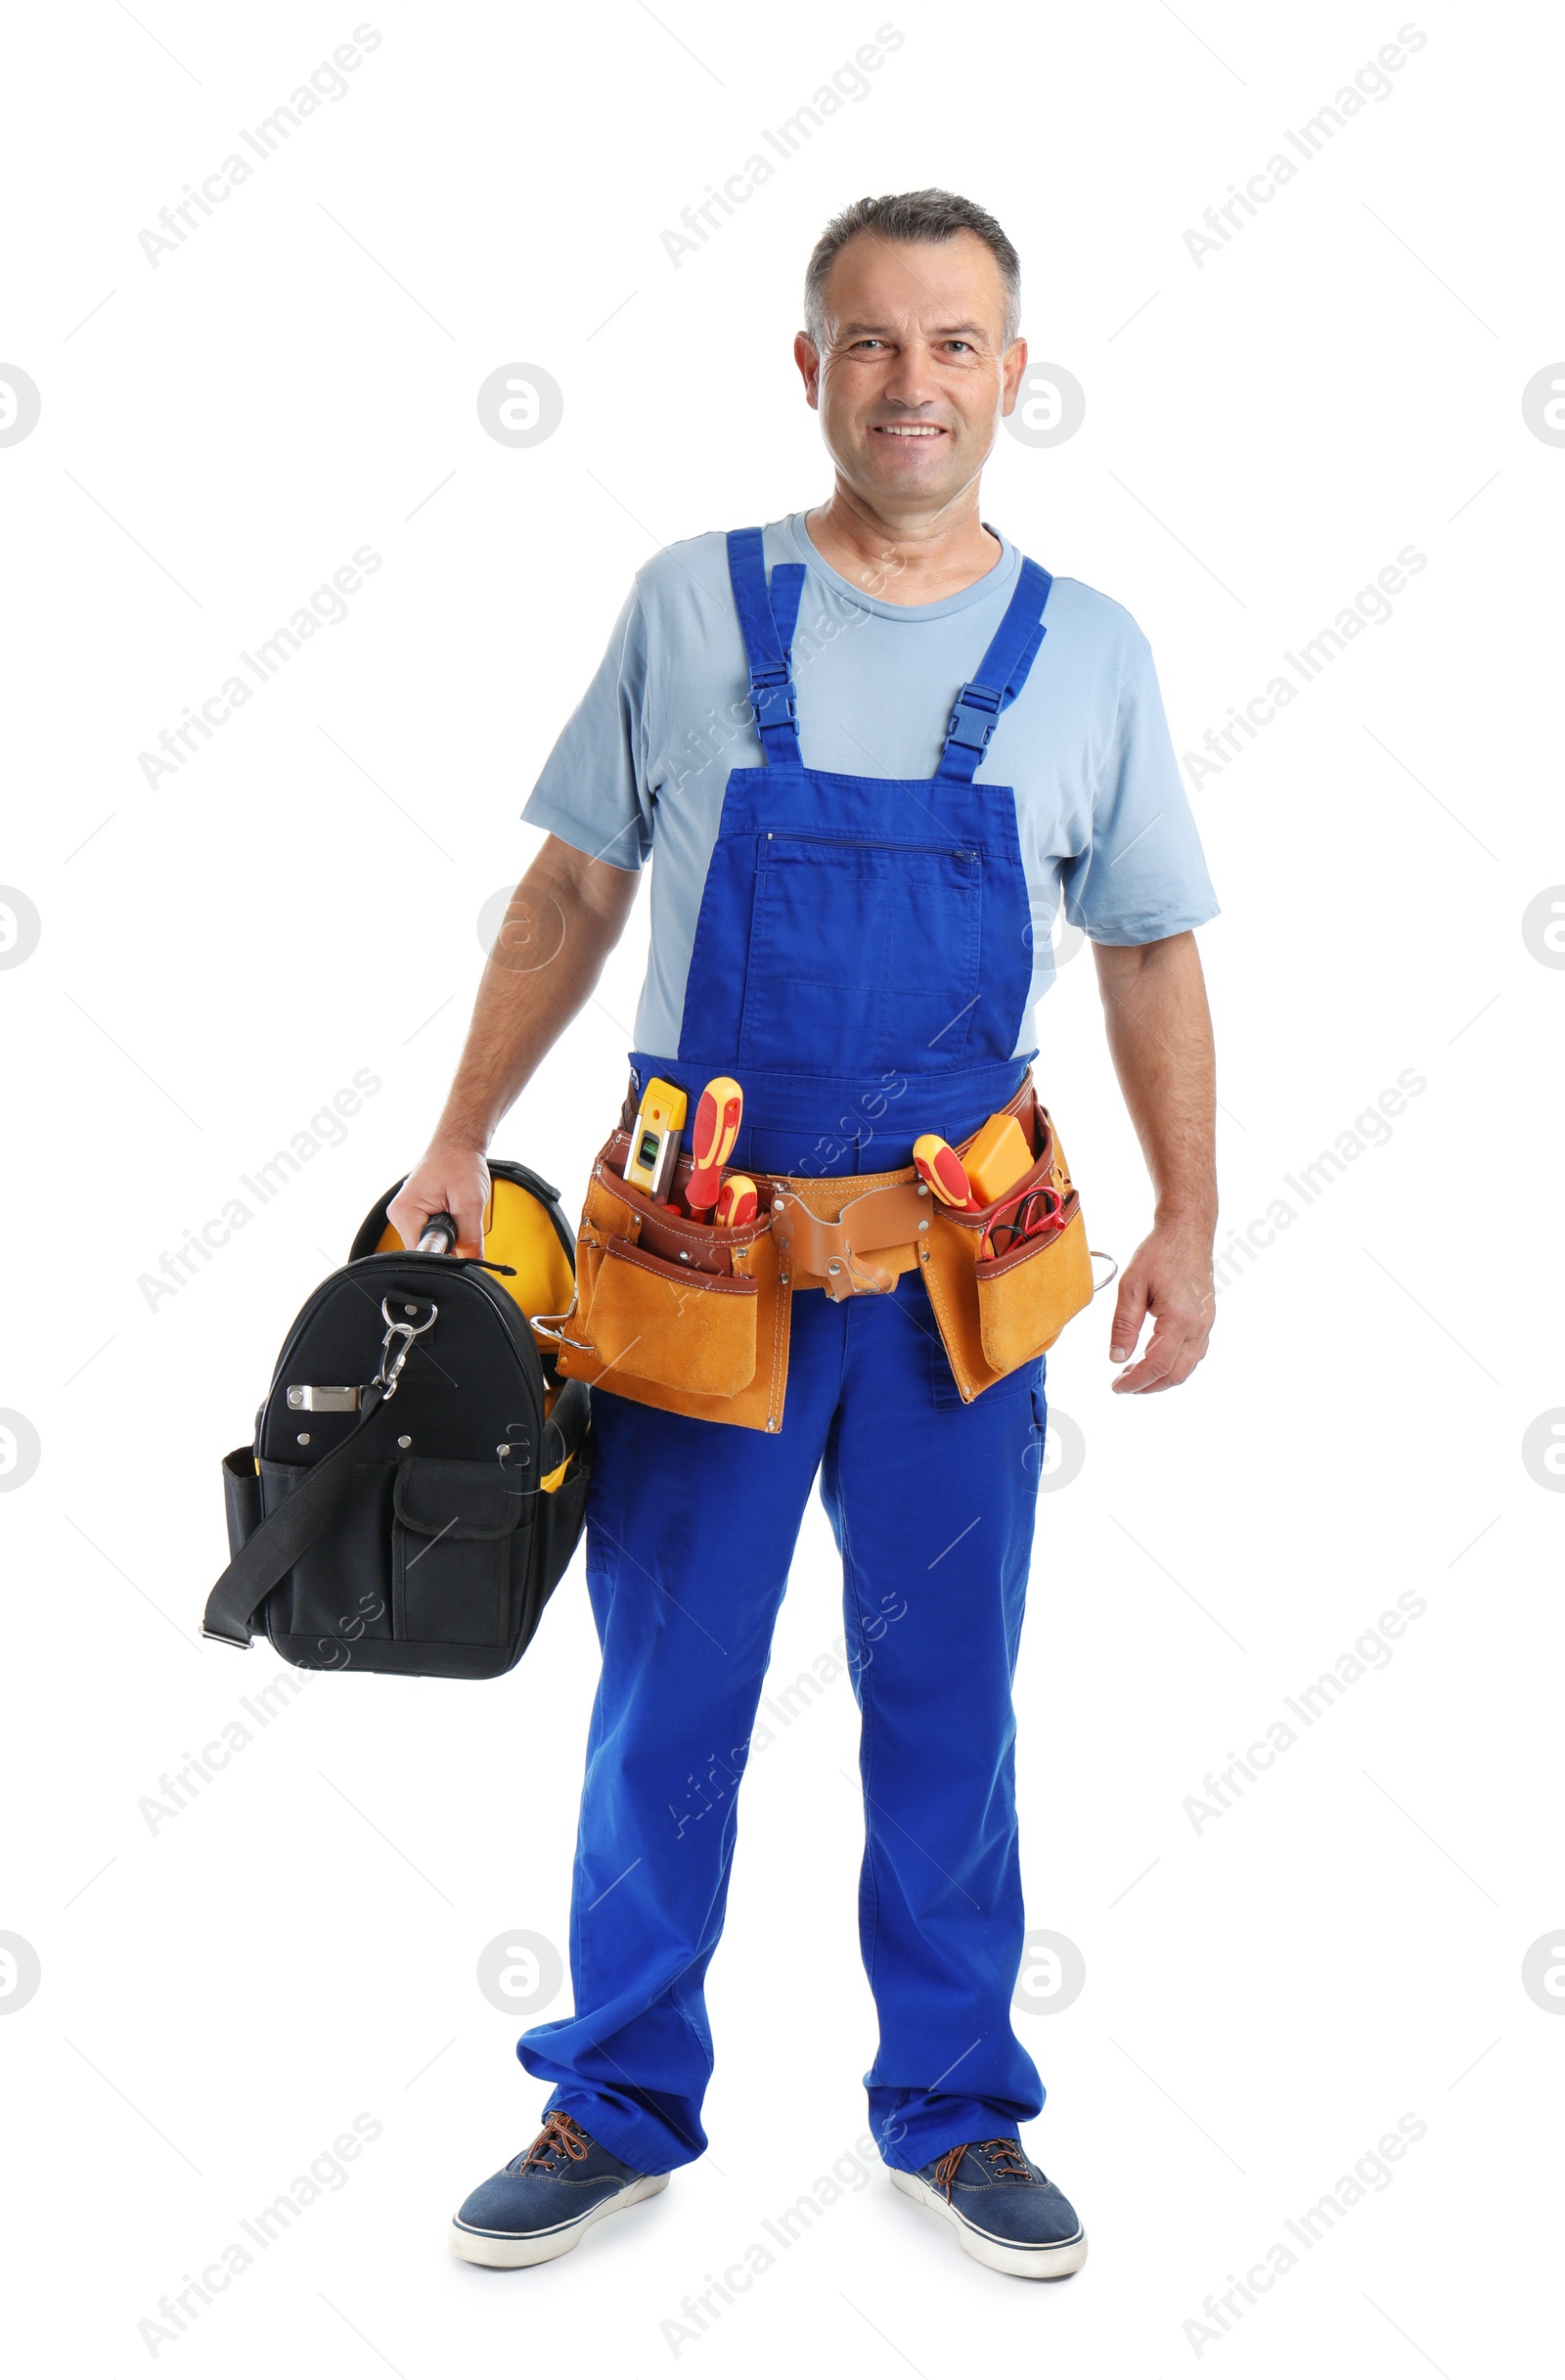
[863, 842]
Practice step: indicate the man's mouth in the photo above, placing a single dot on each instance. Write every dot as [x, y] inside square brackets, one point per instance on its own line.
[907, 429]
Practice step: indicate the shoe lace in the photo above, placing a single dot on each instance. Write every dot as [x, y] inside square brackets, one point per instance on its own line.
[1008, 2161]
[560, 2135]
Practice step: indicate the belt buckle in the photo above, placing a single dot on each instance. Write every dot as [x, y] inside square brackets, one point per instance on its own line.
[842, 1273]
[846, 1277]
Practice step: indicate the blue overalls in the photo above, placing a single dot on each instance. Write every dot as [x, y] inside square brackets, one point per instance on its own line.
[862, 965]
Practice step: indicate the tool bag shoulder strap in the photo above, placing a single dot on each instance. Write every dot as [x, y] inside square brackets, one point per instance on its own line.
[268, 1556]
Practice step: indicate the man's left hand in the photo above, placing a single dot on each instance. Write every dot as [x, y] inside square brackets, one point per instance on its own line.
[1169, 1279]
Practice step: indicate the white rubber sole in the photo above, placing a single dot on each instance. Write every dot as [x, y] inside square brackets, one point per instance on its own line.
[505, 2250]
[999, 2255]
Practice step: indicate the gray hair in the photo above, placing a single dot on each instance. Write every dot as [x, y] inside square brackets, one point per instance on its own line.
[913, 214]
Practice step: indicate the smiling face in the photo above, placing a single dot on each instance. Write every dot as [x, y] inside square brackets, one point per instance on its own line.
[914, 377]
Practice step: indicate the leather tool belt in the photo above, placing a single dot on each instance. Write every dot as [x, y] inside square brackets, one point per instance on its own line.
[694, 1317]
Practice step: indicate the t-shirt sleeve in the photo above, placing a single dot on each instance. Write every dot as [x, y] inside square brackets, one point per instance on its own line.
[1142, 875]
[594, 791]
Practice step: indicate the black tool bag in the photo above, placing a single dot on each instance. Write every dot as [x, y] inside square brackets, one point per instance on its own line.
[419, 1477]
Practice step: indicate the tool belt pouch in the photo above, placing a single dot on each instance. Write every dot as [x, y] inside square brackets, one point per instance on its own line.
[687, 1315]
[999, 1312]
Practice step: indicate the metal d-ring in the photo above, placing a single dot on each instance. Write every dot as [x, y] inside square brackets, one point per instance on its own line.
[541, 1322]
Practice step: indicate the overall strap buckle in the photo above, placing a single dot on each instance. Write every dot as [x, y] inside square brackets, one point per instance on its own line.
[766, 618]
[975, 716]
[777, 702]
[1001, 675]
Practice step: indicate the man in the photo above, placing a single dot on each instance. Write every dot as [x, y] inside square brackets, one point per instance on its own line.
[843, 902]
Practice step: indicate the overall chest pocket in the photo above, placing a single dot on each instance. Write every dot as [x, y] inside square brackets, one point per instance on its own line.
[860, 952]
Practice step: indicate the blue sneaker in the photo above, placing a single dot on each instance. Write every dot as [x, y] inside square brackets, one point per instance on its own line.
[540, 2203]
[1005, 2210]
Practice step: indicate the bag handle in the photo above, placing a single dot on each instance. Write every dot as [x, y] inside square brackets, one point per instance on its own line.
[566, 1424]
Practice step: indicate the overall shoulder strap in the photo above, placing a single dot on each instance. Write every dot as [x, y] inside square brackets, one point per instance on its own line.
[767, 622]
[1001, 675]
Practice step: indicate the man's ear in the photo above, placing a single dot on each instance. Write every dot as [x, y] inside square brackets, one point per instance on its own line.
[807, 355]
[1013, 365]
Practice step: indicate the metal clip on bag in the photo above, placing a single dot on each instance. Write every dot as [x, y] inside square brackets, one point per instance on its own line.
[418, 1481]
[694, 1319]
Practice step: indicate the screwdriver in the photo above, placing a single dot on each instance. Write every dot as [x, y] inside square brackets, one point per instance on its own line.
[737, 1200]
[938, 1164]
[716, 1129]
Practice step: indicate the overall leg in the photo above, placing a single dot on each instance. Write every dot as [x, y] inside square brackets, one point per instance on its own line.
[932, 1503]
[691, 1529]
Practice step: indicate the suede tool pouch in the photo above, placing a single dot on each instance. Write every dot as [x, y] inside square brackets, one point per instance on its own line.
[676, 1325]
[999, 1312]
[1027, 1296]
[688, 1316]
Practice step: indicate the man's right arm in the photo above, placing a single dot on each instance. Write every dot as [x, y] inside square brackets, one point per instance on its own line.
[564, 919]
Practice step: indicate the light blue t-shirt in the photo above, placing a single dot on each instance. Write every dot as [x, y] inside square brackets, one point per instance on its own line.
[641, 765]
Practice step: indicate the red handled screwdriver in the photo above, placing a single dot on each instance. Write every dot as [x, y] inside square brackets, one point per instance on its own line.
[716, 1129]
[938, 1164]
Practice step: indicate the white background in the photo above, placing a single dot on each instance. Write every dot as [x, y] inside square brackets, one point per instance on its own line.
[220, 953]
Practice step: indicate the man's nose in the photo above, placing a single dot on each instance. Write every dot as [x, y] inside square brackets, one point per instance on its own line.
[911, 380]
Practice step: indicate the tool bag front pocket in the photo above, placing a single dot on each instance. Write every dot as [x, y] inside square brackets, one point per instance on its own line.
[459, 1533]
[338, 1588]
[673, 1324]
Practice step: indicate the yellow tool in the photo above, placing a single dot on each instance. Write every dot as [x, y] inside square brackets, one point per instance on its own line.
[654, 1141]
[997, 1157]
[735, 1200]
[938, 1164]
